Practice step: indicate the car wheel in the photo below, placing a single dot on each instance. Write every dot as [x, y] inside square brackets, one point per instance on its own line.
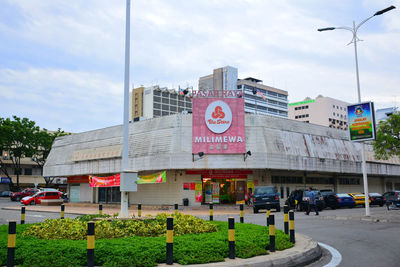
[381, 205]
[18, 198]
[255, 210]
[333, 207]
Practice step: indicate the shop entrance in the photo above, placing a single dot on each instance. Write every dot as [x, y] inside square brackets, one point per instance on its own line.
[109, 195]
[224, 190]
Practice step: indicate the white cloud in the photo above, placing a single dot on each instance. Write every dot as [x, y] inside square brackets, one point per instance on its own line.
[72, 100]
[175, 42]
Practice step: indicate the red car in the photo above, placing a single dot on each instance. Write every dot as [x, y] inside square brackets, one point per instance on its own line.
[17, 196]
[41, 195]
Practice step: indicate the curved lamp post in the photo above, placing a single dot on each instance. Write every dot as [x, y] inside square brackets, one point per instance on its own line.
[355, 40]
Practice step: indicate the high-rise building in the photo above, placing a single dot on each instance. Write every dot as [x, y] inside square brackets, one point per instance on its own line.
[322, 110]
[263, 99]
[384, 113]
[258, 98]
[153, 101]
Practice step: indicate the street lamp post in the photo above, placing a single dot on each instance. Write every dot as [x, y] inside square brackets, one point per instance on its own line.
[355, 40]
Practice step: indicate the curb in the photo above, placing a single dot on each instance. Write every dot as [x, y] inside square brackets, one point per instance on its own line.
[48, 211]
[304, 252]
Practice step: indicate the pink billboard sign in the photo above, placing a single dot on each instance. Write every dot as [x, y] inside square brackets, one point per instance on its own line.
[218, 126]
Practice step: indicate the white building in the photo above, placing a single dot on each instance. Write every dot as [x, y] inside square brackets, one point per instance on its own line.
[258, 98]
[325, 111]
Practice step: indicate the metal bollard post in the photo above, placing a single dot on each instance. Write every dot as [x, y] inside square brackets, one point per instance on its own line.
[241, 214]
[176, 209]
[272, 233]
[231, 237]
[62, 211]
[268, 212]
[291, 226]
[211, 212]
[170, 240]
[139, 210]
[286, 218]
[22, 215]
[101, 209]
[12, 230]
[90, 244]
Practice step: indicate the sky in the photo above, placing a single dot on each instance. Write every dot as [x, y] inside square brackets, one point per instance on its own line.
[62, 62]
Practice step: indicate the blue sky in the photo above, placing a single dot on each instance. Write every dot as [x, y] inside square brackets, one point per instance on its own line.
[62, 62]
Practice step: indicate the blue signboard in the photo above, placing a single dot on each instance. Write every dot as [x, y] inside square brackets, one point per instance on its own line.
[5, 180]
[361, 121]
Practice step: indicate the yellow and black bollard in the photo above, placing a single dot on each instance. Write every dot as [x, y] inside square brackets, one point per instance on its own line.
[286, 218]
[241, 214]
[291, 226]
[176, 209]
[139, 210]
[22, 215]
[12, 230]
[62, 211]
[268, 212]
[272, 233]
[211, 212]
[231, 237]
[90, 244]
[101, 209]
[170, 240]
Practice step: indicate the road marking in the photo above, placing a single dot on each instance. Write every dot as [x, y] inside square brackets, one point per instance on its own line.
[336, 256]
[40, 216]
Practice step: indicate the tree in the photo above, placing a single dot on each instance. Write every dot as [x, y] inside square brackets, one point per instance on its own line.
[387, 142]
[17, 137]
[43, 143]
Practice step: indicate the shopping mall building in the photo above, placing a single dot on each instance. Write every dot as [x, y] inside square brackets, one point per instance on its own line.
[215, 155]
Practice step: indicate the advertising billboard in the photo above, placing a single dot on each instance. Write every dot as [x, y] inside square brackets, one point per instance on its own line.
[218, 123]
[361, 121]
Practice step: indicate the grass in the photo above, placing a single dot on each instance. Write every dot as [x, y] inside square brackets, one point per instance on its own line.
[251, 240]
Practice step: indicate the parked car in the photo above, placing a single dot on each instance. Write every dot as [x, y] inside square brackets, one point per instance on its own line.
[330, 198]
[377, 199]
[5, 194]
[302, 196]
[17, 196]
[39, 196]
[359, 198]
[392, 199]
[344, 200]
[264, 194]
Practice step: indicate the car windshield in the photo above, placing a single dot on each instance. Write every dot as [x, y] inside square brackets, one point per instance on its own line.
[342, 195]
[375, 194]
[307, 193]
[326, 193]
[265, 190]
[358, 195]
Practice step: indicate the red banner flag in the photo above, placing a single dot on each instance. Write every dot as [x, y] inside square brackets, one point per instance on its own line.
[109, 181]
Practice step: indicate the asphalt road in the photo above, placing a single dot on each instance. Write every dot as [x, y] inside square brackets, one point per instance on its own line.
[360, 243]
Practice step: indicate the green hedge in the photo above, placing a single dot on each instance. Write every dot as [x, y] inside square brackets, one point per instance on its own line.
[251, 240]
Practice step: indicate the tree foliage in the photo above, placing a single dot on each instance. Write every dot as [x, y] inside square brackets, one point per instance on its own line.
[387, 142]
[22, 138]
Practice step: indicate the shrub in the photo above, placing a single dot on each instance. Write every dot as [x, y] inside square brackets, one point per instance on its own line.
[251, 240]
[75, 229]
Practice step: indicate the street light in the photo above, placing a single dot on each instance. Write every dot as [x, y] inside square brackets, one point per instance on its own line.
[355, 40]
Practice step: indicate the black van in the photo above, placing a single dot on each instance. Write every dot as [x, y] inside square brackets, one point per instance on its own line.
[264, 194]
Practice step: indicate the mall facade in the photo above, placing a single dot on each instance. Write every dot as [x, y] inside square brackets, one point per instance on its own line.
[215, 155]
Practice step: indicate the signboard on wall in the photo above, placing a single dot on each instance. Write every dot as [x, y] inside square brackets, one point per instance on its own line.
[218, 122]
[361, 121]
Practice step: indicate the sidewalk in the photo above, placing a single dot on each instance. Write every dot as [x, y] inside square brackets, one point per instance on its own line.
[111, 209]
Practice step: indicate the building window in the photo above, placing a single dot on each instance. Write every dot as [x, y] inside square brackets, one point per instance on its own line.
[333, 106]
[296, 117]
[352, 181]
[157, 112]
[28, 171]
[334, 114]
[287, 179]
[157, 93]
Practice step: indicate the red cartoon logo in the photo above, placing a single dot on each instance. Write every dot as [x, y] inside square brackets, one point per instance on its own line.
[218, 113]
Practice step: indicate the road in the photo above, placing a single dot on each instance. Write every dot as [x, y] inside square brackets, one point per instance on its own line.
[360, 243]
